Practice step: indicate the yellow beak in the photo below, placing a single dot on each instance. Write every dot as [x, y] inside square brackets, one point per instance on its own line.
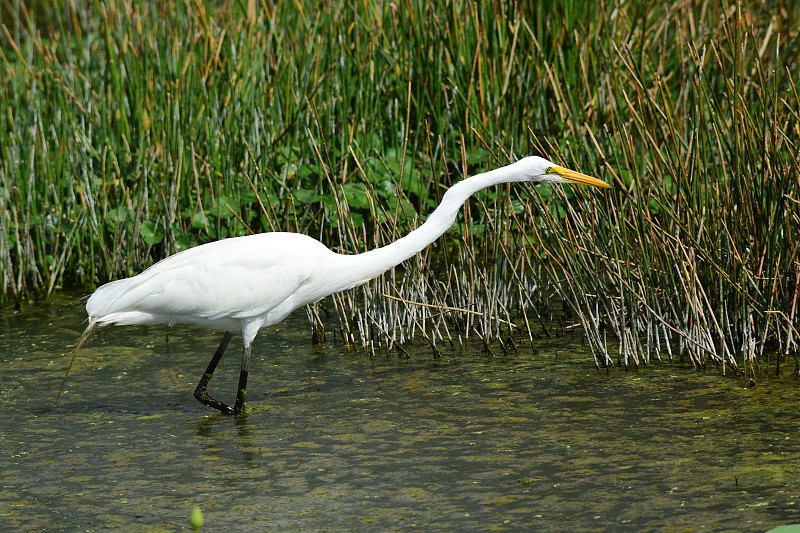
[577, 177]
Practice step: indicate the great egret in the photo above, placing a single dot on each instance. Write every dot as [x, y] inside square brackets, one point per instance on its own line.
[246, 283]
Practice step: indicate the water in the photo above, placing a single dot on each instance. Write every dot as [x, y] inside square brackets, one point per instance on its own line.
[337, 441]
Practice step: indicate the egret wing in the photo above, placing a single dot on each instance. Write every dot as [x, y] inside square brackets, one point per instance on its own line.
[237, 278]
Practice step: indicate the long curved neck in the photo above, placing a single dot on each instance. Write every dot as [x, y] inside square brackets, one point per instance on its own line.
[368, 265]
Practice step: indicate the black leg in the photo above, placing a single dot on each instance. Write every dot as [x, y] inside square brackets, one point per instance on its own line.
[241, 393]
[201, 392]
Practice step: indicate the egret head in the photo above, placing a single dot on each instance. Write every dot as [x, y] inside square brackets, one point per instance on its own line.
[540, 170]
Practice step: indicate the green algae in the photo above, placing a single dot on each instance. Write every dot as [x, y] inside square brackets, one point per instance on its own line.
[337, 441]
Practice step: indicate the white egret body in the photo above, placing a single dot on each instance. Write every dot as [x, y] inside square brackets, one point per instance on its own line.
[246, 283]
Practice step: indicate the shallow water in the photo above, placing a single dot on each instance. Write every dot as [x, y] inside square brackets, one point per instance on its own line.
[337, 441]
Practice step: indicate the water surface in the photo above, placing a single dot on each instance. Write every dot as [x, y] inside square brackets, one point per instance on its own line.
[335, 440]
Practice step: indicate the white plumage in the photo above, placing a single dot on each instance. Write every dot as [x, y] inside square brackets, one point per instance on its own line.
[246, 283]
[221, 285]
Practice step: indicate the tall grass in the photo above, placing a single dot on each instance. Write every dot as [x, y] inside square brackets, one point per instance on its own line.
[132, 130]
[700, 254]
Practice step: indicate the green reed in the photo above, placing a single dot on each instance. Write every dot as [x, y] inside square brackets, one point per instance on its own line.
[132, 130]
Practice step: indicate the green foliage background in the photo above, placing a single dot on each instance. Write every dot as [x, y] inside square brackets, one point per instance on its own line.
[133, 129]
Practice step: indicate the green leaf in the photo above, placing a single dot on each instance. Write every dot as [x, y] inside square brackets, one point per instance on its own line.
[356, 195]
[184, 241]
[151, 232]
[305, 196]
[226, 207]
[199, 220]
[118, 214]
[356, 219]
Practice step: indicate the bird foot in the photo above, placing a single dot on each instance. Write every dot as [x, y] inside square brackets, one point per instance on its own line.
[201, 394]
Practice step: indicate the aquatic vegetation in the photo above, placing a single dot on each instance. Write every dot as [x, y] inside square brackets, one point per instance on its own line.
[333, 439]
[196, 519]
[131, 131]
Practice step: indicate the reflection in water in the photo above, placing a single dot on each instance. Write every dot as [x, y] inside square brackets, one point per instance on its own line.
[338, 441]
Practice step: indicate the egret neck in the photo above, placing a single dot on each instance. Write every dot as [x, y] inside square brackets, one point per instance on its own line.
[367, 265]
